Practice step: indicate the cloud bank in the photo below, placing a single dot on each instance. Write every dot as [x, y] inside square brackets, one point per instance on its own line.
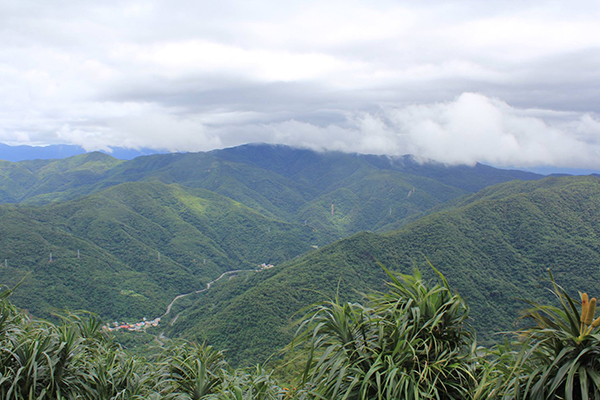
[472, 128]
[457, 81]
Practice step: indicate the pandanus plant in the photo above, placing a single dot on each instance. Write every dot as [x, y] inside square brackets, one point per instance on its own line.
[411, 342]
[72, 360]
[254, 383]
[558, 357]
[76, 360]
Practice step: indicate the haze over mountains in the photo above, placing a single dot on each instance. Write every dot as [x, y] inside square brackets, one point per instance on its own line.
[157, 226]
[55, 151]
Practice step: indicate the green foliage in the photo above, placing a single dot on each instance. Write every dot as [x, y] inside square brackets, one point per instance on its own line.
[291, 184]
[71, 360]
[250, 384]
[193, 369]
[119, 234]
[556, 358]
[77, 360]
[42, 181]
[207, 213]
[410, 342]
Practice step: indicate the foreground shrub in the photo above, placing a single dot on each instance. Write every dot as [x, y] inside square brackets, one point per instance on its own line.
[558, 357]
[70, 360]
[409, 343]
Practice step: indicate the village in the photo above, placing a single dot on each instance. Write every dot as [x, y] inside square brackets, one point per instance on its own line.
[139, 326]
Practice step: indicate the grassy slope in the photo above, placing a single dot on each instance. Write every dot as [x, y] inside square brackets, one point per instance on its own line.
[494, 249]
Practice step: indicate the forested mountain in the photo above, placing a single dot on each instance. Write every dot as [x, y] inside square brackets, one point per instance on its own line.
[335, 192]
[157, 226]
[494, 247]
[140, 244]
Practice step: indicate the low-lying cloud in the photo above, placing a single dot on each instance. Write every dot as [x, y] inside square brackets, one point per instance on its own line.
[471, 128]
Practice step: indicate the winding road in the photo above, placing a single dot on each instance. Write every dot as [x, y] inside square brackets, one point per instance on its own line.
[207, 287]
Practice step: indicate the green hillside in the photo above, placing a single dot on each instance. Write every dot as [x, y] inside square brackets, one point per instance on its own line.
[299, 186]
[140, 245]
[41, 181]
[494, 247]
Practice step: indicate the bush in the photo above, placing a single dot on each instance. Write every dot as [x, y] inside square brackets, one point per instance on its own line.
[558, 357]
[410, 343]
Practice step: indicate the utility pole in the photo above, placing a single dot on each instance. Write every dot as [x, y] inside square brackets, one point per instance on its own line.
[159, 256]
[332, 209]
[50, 257]
[77, 253]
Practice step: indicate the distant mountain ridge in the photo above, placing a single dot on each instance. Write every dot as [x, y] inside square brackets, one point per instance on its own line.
[295, 163]
[336, 192]
[59, 151]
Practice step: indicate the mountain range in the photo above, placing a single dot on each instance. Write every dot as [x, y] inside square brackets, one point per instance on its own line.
[127, 236]
[56, 151]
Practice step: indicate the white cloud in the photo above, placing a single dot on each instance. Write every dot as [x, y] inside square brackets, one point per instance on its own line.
[200, 57]
[472, 128]
[196, 75]
[477, 128]
[141, 126]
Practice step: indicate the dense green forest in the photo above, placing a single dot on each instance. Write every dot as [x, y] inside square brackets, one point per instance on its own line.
[494, 246]
[295, 185]
[140, 244]
[123, 238]
[158, 226]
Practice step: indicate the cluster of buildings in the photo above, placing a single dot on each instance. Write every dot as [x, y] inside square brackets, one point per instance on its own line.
[139, 326]
[264, 266]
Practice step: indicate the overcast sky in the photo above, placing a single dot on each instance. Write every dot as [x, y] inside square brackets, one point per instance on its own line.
[501, 82]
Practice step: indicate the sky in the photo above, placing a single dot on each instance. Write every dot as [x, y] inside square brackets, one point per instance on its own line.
[507, 83]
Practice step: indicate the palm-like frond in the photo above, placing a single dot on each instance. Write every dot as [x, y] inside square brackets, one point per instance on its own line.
[190, 370]
[556, 358]
[73, 360]
[410, 342]
[77, 360]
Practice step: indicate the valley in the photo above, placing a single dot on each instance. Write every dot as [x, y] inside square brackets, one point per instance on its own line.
[308, 200]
